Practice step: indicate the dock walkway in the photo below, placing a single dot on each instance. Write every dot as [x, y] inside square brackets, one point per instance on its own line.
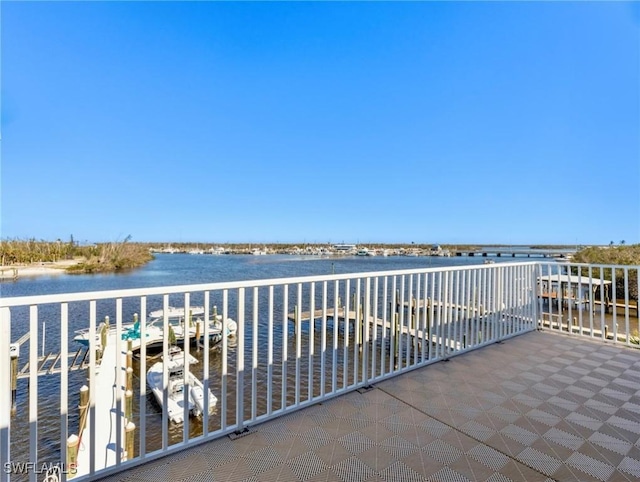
[109, 399]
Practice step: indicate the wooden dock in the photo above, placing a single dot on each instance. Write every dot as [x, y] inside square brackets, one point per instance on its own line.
[352, 314]
[50, 364]
[409, 327]
[609, 305]
[330, 313]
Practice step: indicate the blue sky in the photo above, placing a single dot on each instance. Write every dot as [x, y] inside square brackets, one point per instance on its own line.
[497, 122]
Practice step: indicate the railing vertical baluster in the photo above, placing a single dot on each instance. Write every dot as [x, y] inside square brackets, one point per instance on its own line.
[323, 341]
[5, 392]
[270, 353]
[626, 306]
[636, 333]
[185, 373]
[538, 292]
[559, 299]
[475, 306]
[92, 385]
[591, 302]
[385, 321]
[240, 363]
[456, 302]
[298, 332]
[415, 318]
[468, 308]
[345, 339]
[517, 299]
[357, 344]
[336, 324]
[603, 300]
[206, 382]
[365, 342]
[64, 382]
[33, 389]
[393, 320]
[430, 318]
[142, 398]
[285, 343]
[224, 375]
[422, 311]
[165, 371]
[374, 341]
[448, 296]
[438, 318]
[486, 306]
[408, 322]
[580, 302]
[506, 300]
[312, 324]
[569, 301]
[496, 301]
[614, 303]
[401, 335]
[254, 358]
[118, 383]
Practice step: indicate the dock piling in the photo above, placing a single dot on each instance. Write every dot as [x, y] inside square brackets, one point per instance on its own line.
[129, 438]
[14, 382]
[72, 455]
[129, 382]
[128, 405]
[83, 407]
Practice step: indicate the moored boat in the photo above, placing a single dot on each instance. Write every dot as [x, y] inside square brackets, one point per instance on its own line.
[182, 388]
[154, 330]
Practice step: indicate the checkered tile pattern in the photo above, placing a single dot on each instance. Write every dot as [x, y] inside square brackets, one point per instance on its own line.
[539, 407]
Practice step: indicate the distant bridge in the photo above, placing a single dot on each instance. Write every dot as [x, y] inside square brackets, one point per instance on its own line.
[515, 252]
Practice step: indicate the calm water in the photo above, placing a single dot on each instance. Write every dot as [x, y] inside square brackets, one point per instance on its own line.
[167, 270]
[181, 269]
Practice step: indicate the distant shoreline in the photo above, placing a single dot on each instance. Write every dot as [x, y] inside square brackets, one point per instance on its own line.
[36, 269]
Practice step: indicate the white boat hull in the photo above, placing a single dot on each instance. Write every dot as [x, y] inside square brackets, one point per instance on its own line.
[180, 389]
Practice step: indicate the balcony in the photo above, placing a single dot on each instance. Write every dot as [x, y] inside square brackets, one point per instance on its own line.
[387, 382]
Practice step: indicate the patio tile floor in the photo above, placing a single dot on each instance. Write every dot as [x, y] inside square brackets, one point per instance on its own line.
[538, 407]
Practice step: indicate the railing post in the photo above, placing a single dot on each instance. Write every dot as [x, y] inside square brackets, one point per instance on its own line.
[366, 334]
[5, 392]
[240, 364]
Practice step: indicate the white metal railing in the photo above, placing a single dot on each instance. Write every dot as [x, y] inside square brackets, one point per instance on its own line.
[298, 341]
[596, 301]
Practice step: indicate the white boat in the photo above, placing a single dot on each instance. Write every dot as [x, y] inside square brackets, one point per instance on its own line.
[180, 389]
[155, 328]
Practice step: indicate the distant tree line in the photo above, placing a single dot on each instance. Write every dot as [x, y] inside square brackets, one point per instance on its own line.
[94, 258]
[622, 255]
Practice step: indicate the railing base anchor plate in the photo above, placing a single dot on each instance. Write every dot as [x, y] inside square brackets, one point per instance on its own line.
[239, 433]
[366, 389]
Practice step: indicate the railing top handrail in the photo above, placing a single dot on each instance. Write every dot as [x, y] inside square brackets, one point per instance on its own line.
[587, 265]
[220, 285]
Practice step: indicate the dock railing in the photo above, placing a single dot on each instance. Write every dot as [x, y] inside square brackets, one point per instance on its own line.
[299, 341]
